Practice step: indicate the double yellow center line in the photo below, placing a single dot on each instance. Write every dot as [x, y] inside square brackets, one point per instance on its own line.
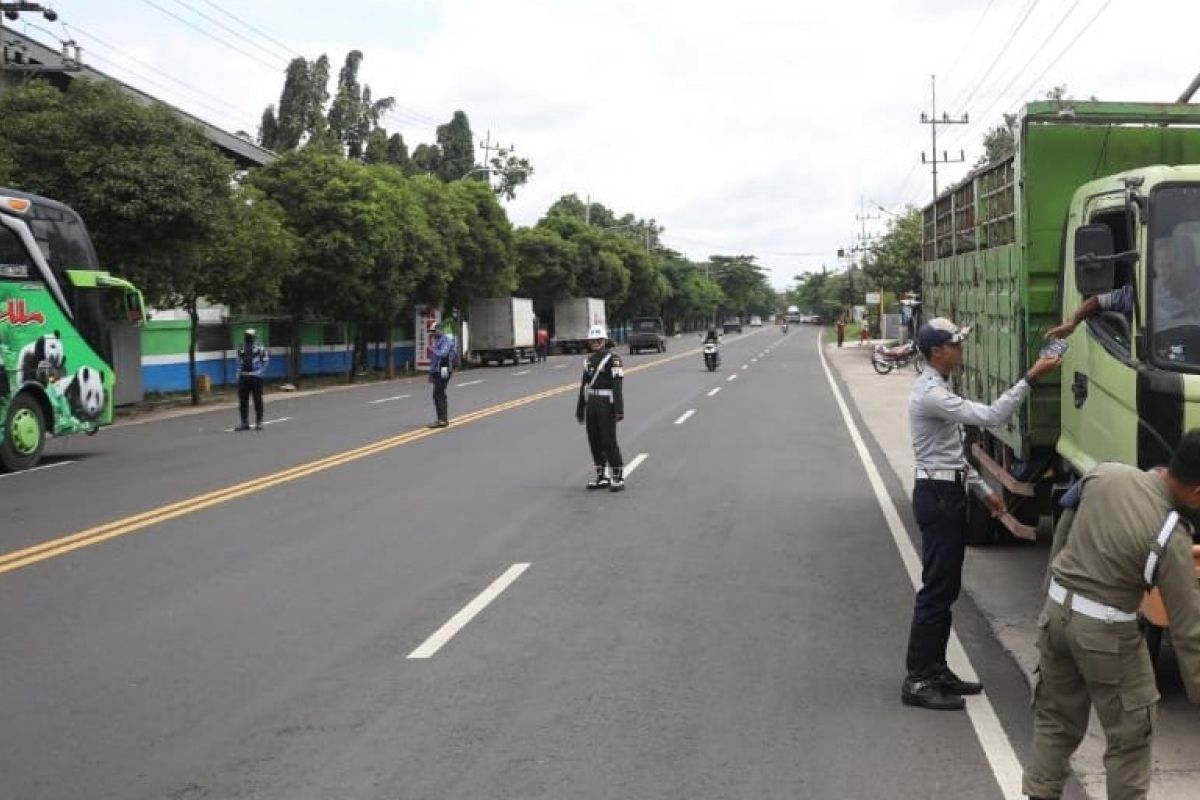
[120, 527]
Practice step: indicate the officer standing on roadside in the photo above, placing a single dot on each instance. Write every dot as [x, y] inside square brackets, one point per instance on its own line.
[601, 406]
[252, 366]
[936, 416]
[1119, 537]
[441, 369]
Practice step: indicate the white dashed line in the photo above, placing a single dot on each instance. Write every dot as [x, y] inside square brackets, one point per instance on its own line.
[752, 361]
[389, 399]
[36, 469]
[745, 366]
[684, 416]
[732, 377]
[635, 463]
[468, 383]
[714, 391]
[265, 423]
[522, 372]
[459, 620]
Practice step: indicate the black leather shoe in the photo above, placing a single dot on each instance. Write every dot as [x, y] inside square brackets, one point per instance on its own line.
[952, 684]
[242, 427]
[928, 693]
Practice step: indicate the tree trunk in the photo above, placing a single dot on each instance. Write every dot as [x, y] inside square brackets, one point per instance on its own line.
[193, 315]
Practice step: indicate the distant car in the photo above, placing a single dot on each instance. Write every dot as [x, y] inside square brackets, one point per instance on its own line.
[756, 322]
[732, 325]
[646, 333]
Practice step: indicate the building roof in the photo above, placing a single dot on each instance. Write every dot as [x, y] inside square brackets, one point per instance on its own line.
[20, 49]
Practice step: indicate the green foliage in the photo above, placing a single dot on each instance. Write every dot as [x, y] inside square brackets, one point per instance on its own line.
[427, 158]
[895, 264]
[746, 287]
[251, 254]
[457, 148]
[546, 266]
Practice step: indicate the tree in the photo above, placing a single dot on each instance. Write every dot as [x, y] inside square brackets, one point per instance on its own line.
[427, 158]
[546, 267]
[895, 264]
[397, 153]
[512, 172]
[485, 248]
[457, 148]
[346, 109]
[999, 142]
[742, 281]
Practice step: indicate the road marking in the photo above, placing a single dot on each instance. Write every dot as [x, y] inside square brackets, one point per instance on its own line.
[1006, 767]
[522, 372]
[684, 416]
[559, 366]
[390, 399]
[35, 469]
[468, 383]
[635, 463]
[745, 366]
[714, 391]
[732, 377]
[112, 529]
[469, 612]
[265, 423]
[753, 361]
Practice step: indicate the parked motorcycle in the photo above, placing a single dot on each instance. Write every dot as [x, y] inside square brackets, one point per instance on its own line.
[712, 358]
[885, 359]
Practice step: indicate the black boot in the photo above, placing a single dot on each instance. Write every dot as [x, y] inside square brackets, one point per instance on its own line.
[601, 480]
[618, 480]
[245, 426]
[951, 683]
[921, 687]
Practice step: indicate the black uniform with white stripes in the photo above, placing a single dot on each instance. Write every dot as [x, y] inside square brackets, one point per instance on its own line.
[601, 404]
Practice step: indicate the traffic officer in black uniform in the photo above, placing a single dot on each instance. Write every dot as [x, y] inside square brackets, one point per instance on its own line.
[601, 406]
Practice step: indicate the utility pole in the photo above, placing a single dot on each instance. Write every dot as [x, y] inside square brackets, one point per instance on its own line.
[487, 147]
[933, 121]
[14, 60]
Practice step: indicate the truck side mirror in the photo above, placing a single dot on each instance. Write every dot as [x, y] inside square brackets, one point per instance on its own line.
[1095, 269]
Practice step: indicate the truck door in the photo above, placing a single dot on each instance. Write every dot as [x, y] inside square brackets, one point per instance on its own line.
[1099, 373]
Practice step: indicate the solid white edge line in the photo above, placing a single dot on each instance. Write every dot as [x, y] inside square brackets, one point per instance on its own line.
[635, 463]
[684, 416]
[37, 469]
[456, 623]
[714, 391]
[998, 750]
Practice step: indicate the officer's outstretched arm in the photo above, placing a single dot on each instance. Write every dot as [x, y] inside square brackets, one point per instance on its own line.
[1181, 595]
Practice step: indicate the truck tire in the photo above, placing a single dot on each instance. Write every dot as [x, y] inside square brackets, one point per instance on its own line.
[24, 434]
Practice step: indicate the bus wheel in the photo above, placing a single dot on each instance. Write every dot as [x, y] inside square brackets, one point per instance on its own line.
[24, 434]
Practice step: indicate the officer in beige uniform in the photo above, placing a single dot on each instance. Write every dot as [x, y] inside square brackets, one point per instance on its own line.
[1119, 536]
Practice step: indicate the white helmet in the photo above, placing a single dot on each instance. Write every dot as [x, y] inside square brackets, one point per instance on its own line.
[597, 332]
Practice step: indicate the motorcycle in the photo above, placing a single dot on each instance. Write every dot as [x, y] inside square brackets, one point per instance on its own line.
[712, 358]
[885, 359]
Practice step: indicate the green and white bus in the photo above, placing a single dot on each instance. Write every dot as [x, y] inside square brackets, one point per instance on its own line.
[56, 312]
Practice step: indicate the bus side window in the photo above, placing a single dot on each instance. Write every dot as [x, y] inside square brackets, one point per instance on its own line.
[14, 261]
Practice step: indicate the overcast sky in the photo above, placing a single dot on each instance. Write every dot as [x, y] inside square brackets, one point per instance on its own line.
[754, 126]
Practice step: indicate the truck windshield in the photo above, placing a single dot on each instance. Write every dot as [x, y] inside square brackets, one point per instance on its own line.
[1174, 276]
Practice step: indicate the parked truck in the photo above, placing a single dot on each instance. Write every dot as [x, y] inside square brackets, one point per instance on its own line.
[502, 328]
[572, 318]
[1098, 196]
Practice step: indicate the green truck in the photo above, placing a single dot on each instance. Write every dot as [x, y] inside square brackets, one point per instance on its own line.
[1097, 197]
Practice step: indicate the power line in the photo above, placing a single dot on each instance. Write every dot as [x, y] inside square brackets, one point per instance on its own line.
[273, 67]
[1066, 49]
[999, 53]
[980, 118]
[970, 36]
[226, 28]
[251, 27]
[151, 67]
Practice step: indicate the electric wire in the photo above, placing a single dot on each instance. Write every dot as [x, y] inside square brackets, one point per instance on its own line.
[1066, 49]
[970, 36]
[999, 54]
[264, 35]
[273, 67]
[228, 29]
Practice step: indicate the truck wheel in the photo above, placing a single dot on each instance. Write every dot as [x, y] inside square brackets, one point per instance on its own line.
[24, 434]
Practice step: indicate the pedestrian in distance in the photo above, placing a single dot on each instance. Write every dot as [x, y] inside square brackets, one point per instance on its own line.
[1120, 534]
[441, 368]
[543, 344]
[943, 478]
[841, 331]
[252, 366]
[601, 405]
[864, 333]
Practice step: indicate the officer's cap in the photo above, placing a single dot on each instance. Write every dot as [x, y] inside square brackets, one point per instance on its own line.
[597, 332]
[939, 331]
[251, 332]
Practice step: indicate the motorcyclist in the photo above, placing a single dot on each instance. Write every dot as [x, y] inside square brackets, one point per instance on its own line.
[712, 336]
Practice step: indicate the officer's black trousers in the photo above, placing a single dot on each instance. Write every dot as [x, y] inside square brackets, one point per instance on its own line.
[940, 508]
[250, 385]
[439, 397]
[602, 433]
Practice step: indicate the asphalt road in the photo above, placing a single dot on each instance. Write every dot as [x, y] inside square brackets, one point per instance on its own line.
[195, 613]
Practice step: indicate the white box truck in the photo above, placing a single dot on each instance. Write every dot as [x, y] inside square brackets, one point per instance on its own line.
[502, 328]
[572, 318]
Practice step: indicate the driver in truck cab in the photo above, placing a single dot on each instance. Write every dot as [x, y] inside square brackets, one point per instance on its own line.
[1176, 297]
